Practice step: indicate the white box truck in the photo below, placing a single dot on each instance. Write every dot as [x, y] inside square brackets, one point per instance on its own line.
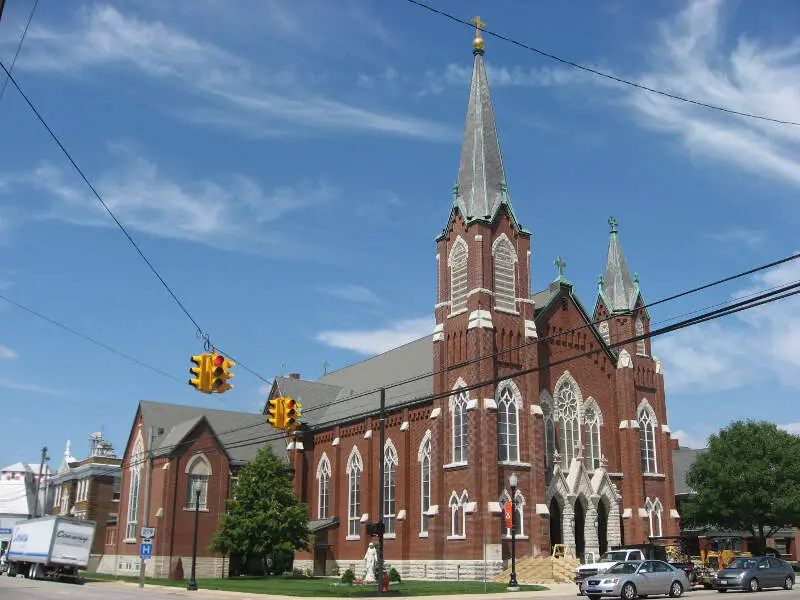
[50, 548]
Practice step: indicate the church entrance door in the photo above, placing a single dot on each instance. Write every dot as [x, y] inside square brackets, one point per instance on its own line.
[602, 525]
[556, 535]
[580, 525]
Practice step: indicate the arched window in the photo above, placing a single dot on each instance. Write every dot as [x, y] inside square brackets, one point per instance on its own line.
[458, 409]
[604, 332]
[198, 472]
[640, 344]
[390, 463]
[654, 510]
[135, 478]
[507, 426]
[519, 516]
[505, 289]
[457, 262]
[549, 430]
[424, 457]
[569, 429]
[323, 487]
[458, 516]
[354, 468]
[647, 437]
[592, 419]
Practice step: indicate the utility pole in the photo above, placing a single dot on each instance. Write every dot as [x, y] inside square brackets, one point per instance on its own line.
[148, 474]
[381, 525]
[44, 450]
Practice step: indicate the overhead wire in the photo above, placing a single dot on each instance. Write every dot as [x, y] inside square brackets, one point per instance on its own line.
[603, 74]
[19, 47]
[779, 293]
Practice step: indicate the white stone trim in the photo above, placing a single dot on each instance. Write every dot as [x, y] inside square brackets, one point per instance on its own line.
[290, 446]
[470, 507]
[490, 404]
[480, 319]
[525, 300]
[674, 513]
[401, 515]
[433, 510]
[478, 237]
[665, 428]
[472, 404]
[455, 465]
[299, 446]
[422, 534]
[458, 312]
[541, 509]
[435, 413]
[352, 538]
[494, 507]
[364, 517]
[456, 537]
[479, 290]
[336, 441]
[633, 424]
[624, 361]
[627, 513]
[514, 463]
[438, 332]
[537, 410]
[439, 305]
[530, 329]
[643, 513]
[508, 312]
[368, 434]
[659, 366]
[624, 424]
[404, 426]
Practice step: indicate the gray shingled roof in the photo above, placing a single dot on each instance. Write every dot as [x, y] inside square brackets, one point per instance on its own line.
[239, 433]
[682, 460]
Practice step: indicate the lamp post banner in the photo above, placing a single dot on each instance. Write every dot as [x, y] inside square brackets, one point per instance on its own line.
[508, 514]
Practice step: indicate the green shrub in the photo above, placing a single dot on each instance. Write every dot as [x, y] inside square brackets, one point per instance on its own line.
[348, 577]
[394, 575]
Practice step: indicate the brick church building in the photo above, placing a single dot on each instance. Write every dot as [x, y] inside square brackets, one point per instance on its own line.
[586, 434]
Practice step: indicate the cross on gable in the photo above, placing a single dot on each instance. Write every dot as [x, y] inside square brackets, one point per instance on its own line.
[559, 262]
[325, 365]
[614, 223]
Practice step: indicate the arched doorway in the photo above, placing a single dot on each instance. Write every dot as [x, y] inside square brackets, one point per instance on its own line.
[580, 524]
[556, 534]
[602, 525]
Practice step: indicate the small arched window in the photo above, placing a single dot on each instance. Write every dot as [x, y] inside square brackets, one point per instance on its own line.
[508, 426]
[459, 424]
[641, 348]
[354, 468]
[323, 487]
[390, 463]
[592, 420]
[505, 289]
[458, 515]
[199, 472]
[647, 437]
[424, 457]
[459, 283]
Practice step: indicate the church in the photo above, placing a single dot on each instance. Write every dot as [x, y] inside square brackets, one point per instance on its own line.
[509, 382]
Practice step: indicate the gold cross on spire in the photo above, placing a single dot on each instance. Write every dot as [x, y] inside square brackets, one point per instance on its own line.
[478, 25]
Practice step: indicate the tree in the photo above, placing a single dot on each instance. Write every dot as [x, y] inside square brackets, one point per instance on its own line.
[264, 518]
[748, 479]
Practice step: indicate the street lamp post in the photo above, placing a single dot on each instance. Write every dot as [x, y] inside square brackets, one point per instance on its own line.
[512, 582]
[192, 586]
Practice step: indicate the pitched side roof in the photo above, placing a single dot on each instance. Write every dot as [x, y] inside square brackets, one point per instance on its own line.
[682, 460]
[241, 434]
[314, 396]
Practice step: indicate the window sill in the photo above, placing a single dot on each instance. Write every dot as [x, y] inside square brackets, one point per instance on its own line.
[456, 537]
[390, 536]
[516, 537]
[456, 313]
[423, 535]
[462, 464]
[508, 311]
[192, 509]
[352, 538]
[130, 541]
[655, 475]
[514, 463]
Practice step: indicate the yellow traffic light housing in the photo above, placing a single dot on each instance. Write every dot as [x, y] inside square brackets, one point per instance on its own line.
[219, 374]
[276, 413]
[291, 413]
[200, 381]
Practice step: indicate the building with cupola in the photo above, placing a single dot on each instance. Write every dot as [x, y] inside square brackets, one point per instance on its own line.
[511, 381]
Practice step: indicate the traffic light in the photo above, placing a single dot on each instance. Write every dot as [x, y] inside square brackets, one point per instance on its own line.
[219, 373]
[200, 381]
[276, 413]
[291, 414]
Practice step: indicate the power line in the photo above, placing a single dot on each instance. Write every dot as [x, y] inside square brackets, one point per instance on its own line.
[19, 45]
[602, 73]
[97, 195]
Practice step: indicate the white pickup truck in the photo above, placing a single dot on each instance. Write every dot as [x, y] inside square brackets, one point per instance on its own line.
[607, 560]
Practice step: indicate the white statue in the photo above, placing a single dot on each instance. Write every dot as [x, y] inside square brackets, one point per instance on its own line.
[370, 558]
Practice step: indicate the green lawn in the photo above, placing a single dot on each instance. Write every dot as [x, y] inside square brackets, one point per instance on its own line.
[322, 586]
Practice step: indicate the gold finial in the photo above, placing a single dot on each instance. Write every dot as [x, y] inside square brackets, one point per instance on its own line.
[478, 43]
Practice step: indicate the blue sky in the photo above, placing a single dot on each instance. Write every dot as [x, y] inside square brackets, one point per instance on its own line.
[287, 165]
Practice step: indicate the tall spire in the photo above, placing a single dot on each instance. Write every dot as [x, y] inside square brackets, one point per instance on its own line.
[481, 187]
[617, 288]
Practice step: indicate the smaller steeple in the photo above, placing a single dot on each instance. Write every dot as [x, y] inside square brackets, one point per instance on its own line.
[618, 289]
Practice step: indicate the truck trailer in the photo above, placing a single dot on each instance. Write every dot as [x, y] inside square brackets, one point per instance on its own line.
[50, 548]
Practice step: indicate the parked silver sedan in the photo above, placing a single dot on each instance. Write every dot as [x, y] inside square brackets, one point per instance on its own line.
[629, 580]
[755, 573]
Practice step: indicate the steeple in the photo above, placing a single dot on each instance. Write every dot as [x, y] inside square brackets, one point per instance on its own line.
[617, 289]
[481, 187]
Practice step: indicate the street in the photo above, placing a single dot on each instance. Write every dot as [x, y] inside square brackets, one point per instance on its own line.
[24, 589]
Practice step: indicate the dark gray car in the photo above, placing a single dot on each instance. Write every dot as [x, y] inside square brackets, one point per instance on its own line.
[754, 573]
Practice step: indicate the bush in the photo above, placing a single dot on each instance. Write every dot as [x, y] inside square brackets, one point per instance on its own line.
[348, 577]
[335, 571]
[394, 575]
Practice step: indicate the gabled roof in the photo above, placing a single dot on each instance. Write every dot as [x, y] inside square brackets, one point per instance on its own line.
[682, 460]
[240, 434]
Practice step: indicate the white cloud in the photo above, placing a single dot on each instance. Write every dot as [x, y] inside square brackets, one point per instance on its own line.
[354, 293]
[793, 428]
[688, 440]
[240, 93]
[738, 236]
[375, 341]
[228, 212]
[30, 387]
[6, 352]
[750, 346]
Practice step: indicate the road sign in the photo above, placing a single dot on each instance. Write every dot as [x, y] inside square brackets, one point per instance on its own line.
[145, 550]
[148, 532]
